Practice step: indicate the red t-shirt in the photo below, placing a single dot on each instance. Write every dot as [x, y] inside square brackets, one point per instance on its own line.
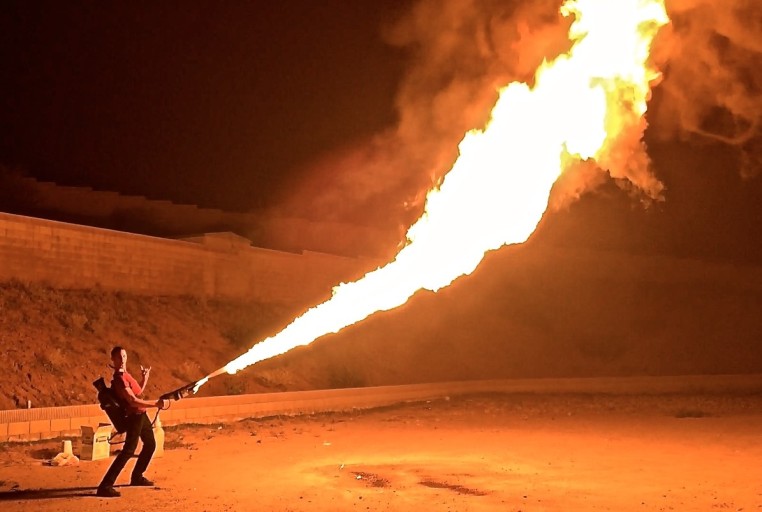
[122, 381]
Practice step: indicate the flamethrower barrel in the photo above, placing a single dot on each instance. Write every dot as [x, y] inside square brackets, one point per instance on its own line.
[180, 392]
[190, 389]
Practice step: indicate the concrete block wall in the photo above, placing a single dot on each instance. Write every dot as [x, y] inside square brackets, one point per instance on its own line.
[330, 237]
[48, 422]
[54, 422]
[108, 208]
[100, 203]
[215, 265]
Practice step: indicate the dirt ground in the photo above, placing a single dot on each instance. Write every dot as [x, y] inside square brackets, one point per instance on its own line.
[498, 452]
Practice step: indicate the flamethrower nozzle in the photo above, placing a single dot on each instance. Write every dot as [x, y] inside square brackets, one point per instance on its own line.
[189, 389]
[180, 392]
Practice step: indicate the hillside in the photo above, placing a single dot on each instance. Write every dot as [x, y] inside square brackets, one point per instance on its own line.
[54, 343]
[525, 312]
[533, 311]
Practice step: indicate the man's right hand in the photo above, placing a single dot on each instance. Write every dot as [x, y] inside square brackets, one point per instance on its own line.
[160, 403]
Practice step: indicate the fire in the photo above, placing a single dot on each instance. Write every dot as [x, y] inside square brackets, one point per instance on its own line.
[498, 189]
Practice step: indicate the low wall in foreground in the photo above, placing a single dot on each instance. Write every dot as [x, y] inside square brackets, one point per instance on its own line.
[53, 422]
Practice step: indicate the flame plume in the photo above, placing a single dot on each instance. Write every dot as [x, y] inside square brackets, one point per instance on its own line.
[582, 105]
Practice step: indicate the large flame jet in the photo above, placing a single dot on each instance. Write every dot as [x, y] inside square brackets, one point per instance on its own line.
[582, 106]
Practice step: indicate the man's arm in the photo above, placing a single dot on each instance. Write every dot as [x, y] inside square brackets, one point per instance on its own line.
[134, 401]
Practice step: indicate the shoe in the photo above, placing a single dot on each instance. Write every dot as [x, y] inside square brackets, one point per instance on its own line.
[141, 481]
[107, 492]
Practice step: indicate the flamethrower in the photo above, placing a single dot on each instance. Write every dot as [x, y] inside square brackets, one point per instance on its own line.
[189, 389]
[115, 409]
[181, 392]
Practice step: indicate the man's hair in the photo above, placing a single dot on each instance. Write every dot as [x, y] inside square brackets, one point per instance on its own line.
[117, 349]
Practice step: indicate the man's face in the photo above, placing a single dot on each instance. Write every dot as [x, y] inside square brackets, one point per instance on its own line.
[120, 359]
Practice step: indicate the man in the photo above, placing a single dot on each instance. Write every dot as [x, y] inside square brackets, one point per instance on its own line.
[138, 425]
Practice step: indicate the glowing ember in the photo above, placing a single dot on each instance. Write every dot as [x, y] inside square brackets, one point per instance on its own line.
[498, 189]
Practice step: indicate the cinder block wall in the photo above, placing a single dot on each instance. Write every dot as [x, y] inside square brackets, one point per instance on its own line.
[219, 265]
[51, 422]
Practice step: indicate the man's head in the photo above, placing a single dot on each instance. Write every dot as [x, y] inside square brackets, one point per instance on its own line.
[118, 358]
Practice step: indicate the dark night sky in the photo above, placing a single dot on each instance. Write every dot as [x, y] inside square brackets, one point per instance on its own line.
[234, 104]
[202, 102]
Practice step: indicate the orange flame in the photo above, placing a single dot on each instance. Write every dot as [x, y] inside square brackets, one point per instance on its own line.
[498, 189]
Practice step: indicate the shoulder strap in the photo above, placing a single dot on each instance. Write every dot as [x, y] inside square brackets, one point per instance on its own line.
[117, 381]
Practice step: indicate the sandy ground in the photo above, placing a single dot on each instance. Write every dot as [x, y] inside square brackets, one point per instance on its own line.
[498, 452]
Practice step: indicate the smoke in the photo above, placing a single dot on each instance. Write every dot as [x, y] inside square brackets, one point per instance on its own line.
[460, 52]
[712, 84]
[463, 52]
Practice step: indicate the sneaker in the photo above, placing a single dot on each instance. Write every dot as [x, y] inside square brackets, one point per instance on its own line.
[107, 492]
[141, 481]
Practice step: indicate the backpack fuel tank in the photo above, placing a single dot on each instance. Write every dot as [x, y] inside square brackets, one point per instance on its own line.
[111, 404]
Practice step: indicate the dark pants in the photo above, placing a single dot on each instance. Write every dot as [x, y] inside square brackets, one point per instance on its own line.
[138, 427]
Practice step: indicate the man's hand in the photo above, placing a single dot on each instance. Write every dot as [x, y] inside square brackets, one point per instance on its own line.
[145, 372]
[160, 403]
